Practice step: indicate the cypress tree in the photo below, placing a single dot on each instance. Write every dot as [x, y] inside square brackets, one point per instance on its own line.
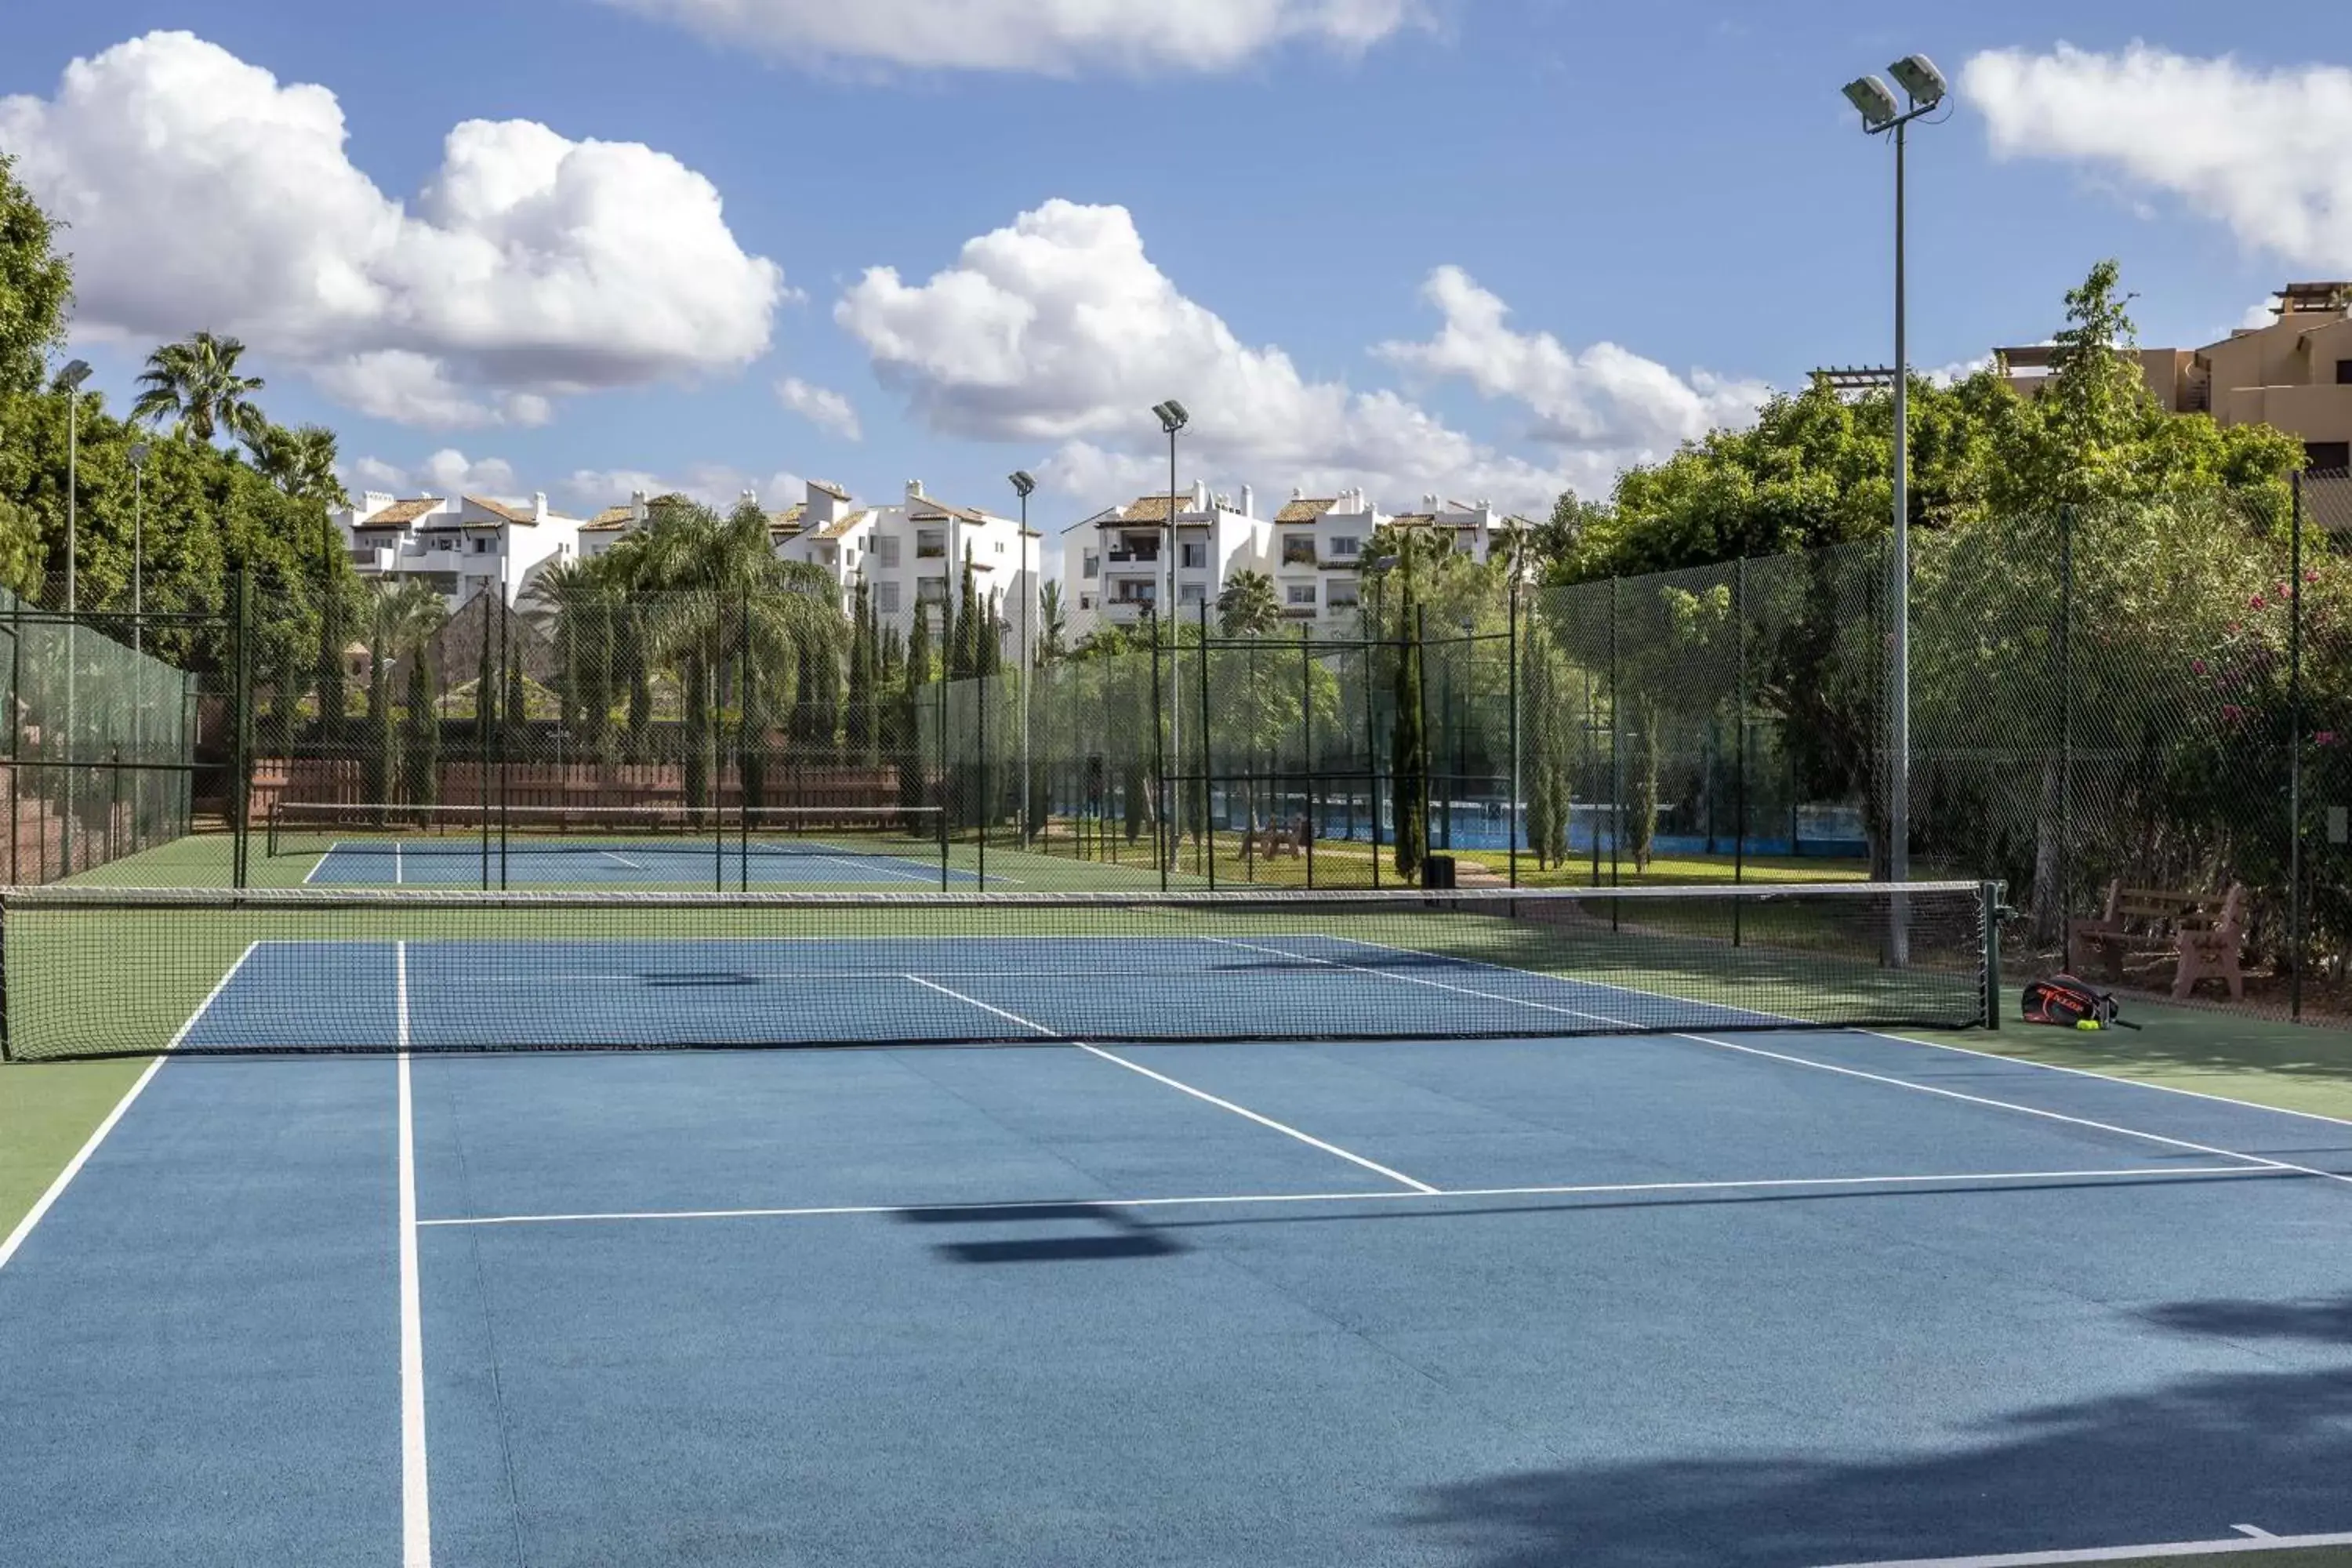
[1408, 744]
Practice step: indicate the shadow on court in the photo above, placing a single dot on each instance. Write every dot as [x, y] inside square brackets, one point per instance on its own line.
[2130, 1469]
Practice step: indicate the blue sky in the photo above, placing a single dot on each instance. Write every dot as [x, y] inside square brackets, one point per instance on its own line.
[1309, 237]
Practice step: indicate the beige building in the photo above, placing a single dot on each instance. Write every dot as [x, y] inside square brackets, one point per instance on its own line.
[2295, 373]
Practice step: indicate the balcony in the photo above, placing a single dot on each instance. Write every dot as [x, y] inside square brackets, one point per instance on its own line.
[372, 558]
[1298, 551]
[1129, 557]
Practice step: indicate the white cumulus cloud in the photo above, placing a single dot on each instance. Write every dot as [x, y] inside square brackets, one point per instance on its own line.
[203, 193]
[1055, 38]
[1605, 399]
[2266, 152]
[447, 472]
[822, 407]
[717, 485]
[1060, 330]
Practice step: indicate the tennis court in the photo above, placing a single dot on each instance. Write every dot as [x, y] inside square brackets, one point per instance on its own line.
[621, 863]
[1390, 1285]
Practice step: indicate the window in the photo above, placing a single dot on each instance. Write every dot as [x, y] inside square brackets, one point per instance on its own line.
[885, 550]
[2343, 373]
[886, 598]
[448, 543]
[1298, 550]
[1136, 547]
[1346, 547]
[1133, 592]
[931, 591]
[1191, 593]
[1302, 593]
[2330, 454]
[1087, 601]
[1090, 564]
[1194, 556]
[1342, 596]
[930, 544]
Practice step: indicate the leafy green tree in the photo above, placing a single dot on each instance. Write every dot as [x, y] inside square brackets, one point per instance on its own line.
[35, 285]
[1407, 739]
[195, 383]
[1052, 625]
[913, 781]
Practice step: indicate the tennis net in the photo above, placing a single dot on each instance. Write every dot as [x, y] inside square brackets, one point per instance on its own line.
[91, 970]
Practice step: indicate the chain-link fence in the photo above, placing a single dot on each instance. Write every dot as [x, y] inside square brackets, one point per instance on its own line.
[101, 742]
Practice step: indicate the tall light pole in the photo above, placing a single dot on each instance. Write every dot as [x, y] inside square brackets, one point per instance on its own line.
[1022, 484]
[1924, 88]
[1172, 419]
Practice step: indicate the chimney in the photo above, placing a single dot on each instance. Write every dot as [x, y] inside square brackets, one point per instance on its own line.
[1199, 494]
[636, 506]
[538, 503]
[1249, 503]
[915, 490]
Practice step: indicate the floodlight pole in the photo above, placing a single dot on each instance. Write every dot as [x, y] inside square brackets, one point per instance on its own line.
[1924, 91]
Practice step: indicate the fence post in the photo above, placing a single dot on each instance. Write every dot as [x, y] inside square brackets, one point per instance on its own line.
[1162, 846]
[241, 769]
[2066, 718]
[1307, 743]
[2294, 759]
[1740, 737]
[1373, 745]
[16, 727]
[987, 808]
[1511, 651]
[1208, 755]
[1616, 753]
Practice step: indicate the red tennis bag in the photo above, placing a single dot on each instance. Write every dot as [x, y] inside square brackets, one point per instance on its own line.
[2070, 1004]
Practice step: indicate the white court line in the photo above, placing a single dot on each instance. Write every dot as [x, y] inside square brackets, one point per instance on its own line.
[415, 1501]
[415, 1513]
[1591, 1189]
[2121, 1553]
[622, 859]
[2012, 1105]
[1879, 1078]
[56, 1189]
[399, 872]
[1241, 1111]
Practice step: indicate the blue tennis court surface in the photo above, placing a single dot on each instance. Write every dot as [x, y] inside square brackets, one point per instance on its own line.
[1770, 1298]
[443, 862]
[425, 994]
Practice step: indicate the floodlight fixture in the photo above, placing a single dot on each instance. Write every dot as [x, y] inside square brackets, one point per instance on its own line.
[1870, 95]
[74, 372]
[1920, 79]
[138, 454]
[1023, 484]
[1172, 415]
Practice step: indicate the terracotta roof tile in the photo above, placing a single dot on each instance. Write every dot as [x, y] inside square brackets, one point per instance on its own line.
[1305, 509]
[501, 509]
[402, 511]
[613, 517]
[841, 526]
[835, 491]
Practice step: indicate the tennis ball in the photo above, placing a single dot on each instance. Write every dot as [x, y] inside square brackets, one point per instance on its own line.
[2087, 1023]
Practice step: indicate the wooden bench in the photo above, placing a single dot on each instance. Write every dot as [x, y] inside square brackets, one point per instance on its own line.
[1273, 842]
[2205, 935]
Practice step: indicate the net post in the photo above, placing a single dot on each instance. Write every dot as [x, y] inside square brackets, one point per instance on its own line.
[1163, 847]
[1988, 914]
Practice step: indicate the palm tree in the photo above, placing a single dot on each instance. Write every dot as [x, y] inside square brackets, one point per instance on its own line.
[1248, 607]
[720, 599]
[580, 605]
[299, 462]
[1053, 625]
[197, 382]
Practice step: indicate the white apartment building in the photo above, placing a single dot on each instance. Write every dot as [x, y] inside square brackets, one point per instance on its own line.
[911, 554]
[1318, 544]
[460, 546]
[1114, 571]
